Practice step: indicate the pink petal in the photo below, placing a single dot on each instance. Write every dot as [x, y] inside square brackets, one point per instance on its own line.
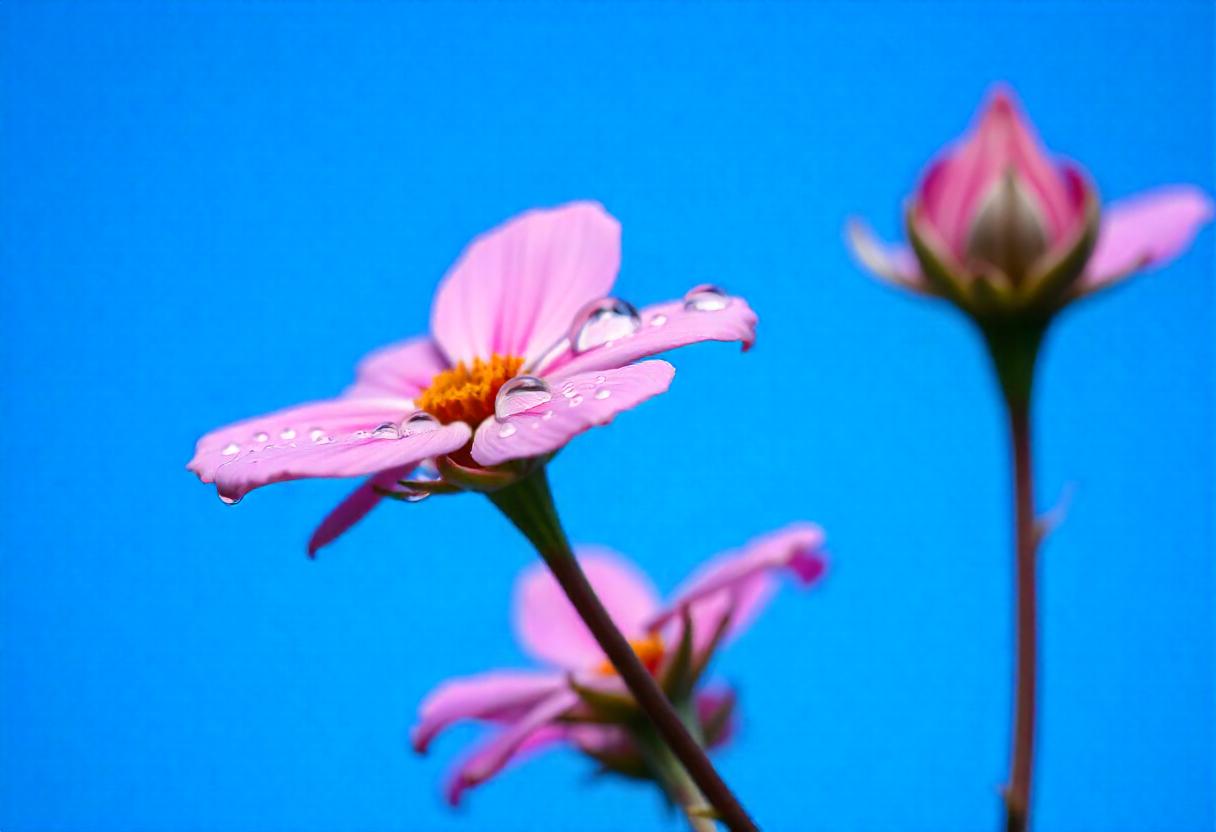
[534, 729]
[516, 289]
[547, 625]
[1003, 139]
[497, 695]
[579, 402]
[739, 583]
[302, 424]
[344, 457]
[1146, 230]
[665, 326]
[353, 509]
[403, 369]
[895, 264]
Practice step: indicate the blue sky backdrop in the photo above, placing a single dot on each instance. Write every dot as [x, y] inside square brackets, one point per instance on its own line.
[211, 210]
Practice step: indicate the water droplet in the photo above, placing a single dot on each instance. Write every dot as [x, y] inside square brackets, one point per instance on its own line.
[228, 501]
[418, 422]
[317, 435]
[705, 297]
[519, 394]
[415, 495]
[600, 379]
[386, 431]
[506, 430]
[535, 424]
[576, 401]
[601, 322]
[361, 434]
[602, 394]
[658, 320]
[262, 436]
[230, 449]
[289, 433]
[548, 415]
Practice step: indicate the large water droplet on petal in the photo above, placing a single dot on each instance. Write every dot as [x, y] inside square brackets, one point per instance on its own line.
[705, 297]
[262, 436]
[603, 321]
[658, 320]
[386, 431]
[230, 449]
[519, 394]
[507, 430]
[418, 422]
[228, 501]
[288, 433]
[603, 394]
[319, 436]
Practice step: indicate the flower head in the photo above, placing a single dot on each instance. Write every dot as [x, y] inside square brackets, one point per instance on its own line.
[577, 700]
[527, 349]
[1000, 228]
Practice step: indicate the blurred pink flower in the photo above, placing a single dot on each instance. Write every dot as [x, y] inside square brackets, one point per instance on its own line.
[578, 701]
[527, 349]
[996, 223]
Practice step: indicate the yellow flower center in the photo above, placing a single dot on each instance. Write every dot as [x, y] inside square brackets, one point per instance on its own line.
[649, 649]
[466, 393]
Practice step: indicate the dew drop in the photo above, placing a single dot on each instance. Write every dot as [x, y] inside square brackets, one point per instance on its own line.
[229, 501]
[519, 394]
[506, 430]
[415, 495]
[418, 422]
[601, 322]
[603, 394]
[386, 431]
[230, 449]
[262, 436]
[548, 415]
[658, 320]
[600, 379]
[705, 297]
[289, 433]
[576, 401]
[317, 435]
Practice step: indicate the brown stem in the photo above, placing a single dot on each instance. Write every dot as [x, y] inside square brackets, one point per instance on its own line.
[1014, 348]
[528, 503]
[1017, 792]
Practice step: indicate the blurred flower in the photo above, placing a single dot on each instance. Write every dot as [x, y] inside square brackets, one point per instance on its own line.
[527, 349]
[998, 227]
[579, 701]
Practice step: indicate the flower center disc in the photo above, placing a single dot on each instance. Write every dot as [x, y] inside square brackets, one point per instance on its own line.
[649, 650]
[466, 393]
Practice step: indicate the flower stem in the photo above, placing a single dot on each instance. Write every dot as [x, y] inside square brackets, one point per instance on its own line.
[1014, 353]
[528, 503]
[673, 778]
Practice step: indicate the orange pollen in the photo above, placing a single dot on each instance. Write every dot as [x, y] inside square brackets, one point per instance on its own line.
[649, 649]
[466, 393]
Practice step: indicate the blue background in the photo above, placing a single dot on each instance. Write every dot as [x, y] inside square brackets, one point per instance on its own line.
[212, 210]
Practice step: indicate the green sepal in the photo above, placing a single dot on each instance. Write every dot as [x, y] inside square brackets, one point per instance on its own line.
[1051, 288]
[677, 679]
[944, 280]
[602, 707]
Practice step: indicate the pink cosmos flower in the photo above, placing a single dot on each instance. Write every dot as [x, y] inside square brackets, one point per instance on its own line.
[577, 700]
[997, 224]
[527, 349]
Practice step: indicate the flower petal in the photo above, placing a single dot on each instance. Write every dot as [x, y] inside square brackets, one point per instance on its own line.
[403, 369]
[516, 289]
[579, 402]
[739, 583]
[496, 695]
[1145, 230]
[534, 729]
[665, 326]
[348, 456]
[354, 508]
[547, 625]
[302, 424]
[894, 264]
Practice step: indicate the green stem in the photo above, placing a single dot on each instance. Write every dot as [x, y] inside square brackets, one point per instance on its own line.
[1014, 353]
[528, 503]
[673, 778]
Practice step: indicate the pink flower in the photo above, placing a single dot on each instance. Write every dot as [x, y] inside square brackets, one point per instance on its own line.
[527, 349]
[577, 700]
[996, 224]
